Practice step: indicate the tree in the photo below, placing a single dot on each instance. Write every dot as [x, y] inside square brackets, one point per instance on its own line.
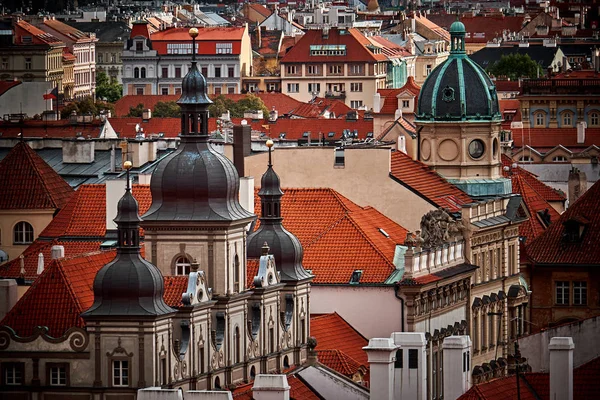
[86, 106]
[166, 109]
[136, 111]
[108, 88]
[515, 66]
[237, 108]
[219, 106]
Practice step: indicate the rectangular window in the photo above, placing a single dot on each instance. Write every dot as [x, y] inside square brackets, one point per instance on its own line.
[27, 62]
[293, 87]
[217, 72]
[58, 375]
[201, 357]
[120, 373]
[100, 58]
[139, 91]
[434, 382]
[4, 63]
[356, 87]
[180, 48]
[12, 373]
[413, 358]
[205, 71]
[428, 68]
[491, 340]
[177, 72]
[165, 72]
[224, 48]
[335, 69]
[405, 103]
[113, 58]
[230, 89]
[314, 88]
[164, 91]
[313, 70]
[231, 72]
[356, 104]
[562, 293]
[580, 293]
[356, 69]
[217, 90]
[399, 358]
[292, 70]
[163, 371]
[139, 46]
[475, 334]
[177, 90]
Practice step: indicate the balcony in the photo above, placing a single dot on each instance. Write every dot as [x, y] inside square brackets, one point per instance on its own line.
[341, 95]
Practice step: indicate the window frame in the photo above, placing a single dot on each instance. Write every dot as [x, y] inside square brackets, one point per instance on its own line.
[582, 287]
[120, 360]
[183, 261]
[565, 296]
[23, 233]
[50, 366]
[539, 119]
[16, 367]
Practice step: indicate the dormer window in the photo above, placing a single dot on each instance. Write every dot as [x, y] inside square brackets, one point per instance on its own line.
[139, 46]
[574, 229]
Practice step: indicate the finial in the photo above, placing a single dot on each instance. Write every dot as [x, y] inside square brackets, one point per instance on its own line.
[127, 166]
[193, 32]
[265, 249]
[195, 265]
[270, 145]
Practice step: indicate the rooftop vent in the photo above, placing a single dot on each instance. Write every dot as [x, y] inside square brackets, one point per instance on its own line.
[384, 233]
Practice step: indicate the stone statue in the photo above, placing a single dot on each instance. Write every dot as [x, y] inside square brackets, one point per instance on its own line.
[438, 227]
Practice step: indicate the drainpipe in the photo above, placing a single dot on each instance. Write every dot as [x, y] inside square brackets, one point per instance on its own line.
[419, 143]
[401, 305]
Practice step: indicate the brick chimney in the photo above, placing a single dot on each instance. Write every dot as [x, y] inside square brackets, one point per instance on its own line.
[561, 368]
[577, 185]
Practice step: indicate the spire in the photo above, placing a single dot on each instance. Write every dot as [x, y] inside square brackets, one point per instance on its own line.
[285, 247]
[128, 285]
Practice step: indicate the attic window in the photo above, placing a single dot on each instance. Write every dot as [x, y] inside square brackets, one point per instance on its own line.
[331, 134]
[544, 217]
[282, 135]
[327, 50]
[574, 229]
[305, 134]
[355, 278]
[384, 233]
[369, 134]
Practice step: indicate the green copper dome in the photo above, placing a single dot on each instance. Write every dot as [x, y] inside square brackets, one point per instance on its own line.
[458, 89]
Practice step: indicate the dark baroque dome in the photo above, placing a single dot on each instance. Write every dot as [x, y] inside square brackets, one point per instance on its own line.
[458, 89]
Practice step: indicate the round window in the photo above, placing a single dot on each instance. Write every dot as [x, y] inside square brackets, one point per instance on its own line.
[476, 148]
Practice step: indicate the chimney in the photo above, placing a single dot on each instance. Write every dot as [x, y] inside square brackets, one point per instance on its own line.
[57, 252]
[457, 366]
[273, 115]
[561, 368]
[411, 373]
[271, 387]
[577, 184]
[78, 151]
[147, 115]
[115, 188]
[8, 296]
[40, 266]
[241, 147]
[157, 393]
[206, 395]
[381, 353]
[142, 151]
[581, 126]
[376, 102]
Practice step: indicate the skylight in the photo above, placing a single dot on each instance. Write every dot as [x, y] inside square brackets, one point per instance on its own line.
[328, 50]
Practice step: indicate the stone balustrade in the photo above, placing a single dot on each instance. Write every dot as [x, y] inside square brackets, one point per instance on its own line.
[419, 261]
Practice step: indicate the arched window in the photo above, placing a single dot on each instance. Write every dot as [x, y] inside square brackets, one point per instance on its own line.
[236, 274]
[136, 72]
[594, 119]
[23, 233]
[182, 266]
[236, 341]
[252, 372]
[540, 119]
[286, 362]
[567, 119]
[143, 72]
[217, 383]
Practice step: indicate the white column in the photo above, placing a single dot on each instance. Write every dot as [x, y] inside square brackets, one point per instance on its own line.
[381, 353]
[561, 368]
[411, 378]
[457, 365]
[271, 387]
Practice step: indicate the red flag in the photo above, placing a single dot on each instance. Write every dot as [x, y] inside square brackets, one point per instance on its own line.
[52, 95]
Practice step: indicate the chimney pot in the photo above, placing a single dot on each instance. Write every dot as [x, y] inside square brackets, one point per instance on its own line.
[57, 252]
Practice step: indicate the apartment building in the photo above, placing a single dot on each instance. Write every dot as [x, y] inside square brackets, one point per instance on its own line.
[29, 54]
[335, 63]
[83, 47]
[155, 63]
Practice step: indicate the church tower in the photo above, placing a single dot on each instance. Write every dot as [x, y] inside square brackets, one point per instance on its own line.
[458, 123]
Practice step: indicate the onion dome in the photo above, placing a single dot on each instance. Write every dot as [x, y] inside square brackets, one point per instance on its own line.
[128, 285]
[458, 89]
[285, 247]
[195, 183]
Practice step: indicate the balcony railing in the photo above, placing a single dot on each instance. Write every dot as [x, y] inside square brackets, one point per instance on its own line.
[419, 262]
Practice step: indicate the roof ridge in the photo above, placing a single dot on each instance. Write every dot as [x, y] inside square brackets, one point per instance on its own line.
[326, 231]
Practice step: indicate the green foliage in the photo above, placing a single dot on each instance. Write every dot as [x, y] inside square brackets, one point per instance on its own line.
[136, 111]
[237, 108]
[515, 66]
[166, 109]
[86, 106]
[108, 88]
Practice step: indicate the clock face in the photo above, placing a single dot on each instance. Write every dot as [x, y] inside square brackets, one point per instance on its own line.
[476, 148]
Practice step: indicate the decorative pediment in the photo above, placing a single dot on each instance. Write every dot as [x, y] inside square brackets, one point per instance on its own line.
[267, 272]
[197, 291]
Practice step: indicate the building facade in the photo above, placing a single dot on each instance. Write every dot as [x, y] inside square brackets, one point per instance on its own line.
[337, 63]
[154, 64]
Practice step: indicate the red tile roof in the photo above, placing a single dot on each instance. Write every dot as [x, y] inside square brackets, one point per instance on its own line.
[552, 137]
[548, 193]
[53, 129]
[139, 29]
[123, 105]
[339, 361]
[294, 128]
[67, 30]
[39, 35]
[318, 106]
[482, 28]
[65, 290]
[325, 221]
[551, 248]
[389, 97]
[259, 8]
[441, 32]
[7, 85]
[299, 390]
[504, 85]
[428, 183]
[27, 182]
[334, 333]
[356, 47]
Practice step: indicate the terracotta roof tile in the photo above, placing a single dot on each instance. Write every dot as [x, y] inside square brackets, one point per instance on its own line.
[7, 85]
[65, 290]
[27, 182]
[324, 221]
[547, 192]
[339, 361]
[259, 8]
[389, 97]
[298, 390]
[427, 183]
[356, 47]
[220, 33]
[552, 137]
[67, 30]
[53, 129]
[550, 247]
[294, 128]
[490, 26]
[334, 333]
